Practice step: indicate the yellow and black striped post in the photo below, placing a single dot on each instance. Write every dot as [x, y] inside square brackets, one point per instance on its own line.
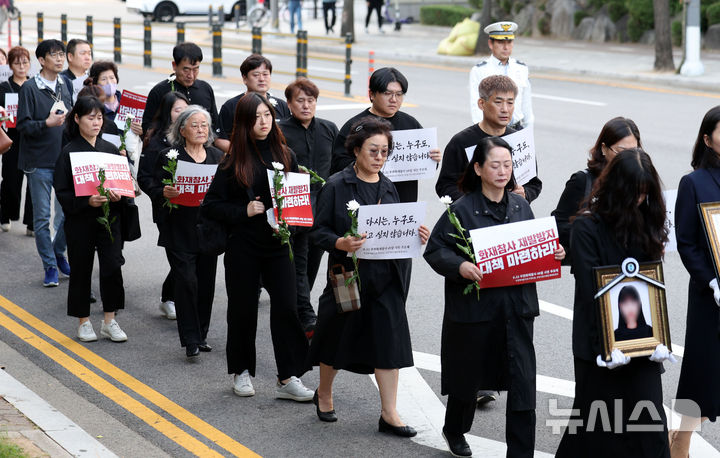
[147, 44]
[40, 26]
[117, 40]
[257, 40]
[348, 63]
[19, 28]
[180, 32]
[210, 17]
[63, 28]
[236, 15]
[217, 50]
[305, 53]
[298, 56]
[89, 31]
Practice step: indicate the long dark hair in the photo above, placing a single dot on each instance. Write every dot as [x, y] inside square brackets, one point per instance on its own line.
[612, 132]
[242, 142]
[631, 293]
[614, 199]
[162, 119]
[83, 107]
[703, 156]
[470, 180]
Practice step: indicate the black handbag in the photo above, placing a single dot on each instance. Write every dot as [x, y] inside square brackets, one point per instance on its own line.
[130, 222]
[212, 236]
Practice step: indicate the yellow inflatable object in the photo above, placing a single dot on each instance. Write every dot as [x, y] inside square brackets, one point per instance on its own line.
[462, 39]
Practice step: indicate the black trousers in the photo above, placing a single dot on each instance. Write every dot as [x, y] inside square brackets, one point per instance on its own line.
[370, 7]
[194, 278]
[168, 286]
[519, 426]
[84, 237]
[329, 7]
[307, 263]
[243, 270]
[11, 191]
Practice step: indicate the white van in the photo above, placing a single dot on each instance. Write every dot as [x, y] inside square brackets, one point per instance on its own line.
[166, 10]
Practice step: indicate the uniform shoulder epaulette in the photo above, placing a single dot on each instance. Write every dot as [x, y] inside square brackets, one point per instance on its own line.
[481, 63]
[521, 63]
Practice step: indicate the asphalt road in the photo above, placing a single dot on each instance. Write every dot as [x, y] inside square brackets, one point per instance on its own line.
[197, 397]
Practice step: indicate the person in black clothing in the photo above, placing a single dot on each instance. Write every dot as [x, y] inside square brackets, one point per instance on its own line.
[12, 177]
[238, 197]
[497, 95]
[84, 234]
[79, 58]
[496, 322]
[193, 272]
[626, 219]
[256, 71]
[631, 319]
[387, 90]
[617, 135]
[375, 338]
[186, 66]
[173, 103]
[311, 139]
[105, 74]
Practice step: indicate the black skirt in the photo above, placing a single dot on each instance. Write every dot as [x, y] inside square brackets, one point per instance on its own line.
[375, 337]
[638, 381]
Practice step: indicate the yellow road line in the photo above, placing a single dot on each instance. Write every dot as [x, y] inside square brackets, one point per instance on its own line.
[185, 416]
[109, 390]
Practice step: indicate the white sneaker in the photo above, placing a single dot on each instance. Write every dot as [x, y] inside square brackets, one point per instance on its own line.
[113, 332]
[242, 386]
[5, 227]
[294, 389]
[168, 310]
[29, 233]
[86, 333]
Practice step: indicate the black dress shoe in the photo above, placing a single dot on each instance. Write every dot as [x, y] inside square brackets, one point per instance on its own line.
[329, 417]
[204, 347]
[402, 431]
[457, 444]
[192, 351]
[93, 299]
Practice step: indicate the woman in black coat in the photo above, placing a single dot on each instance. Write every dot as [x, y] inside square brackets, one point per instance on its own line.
[238, 197]
[617, 135]
[497, 325]
[193, 272]
[375, 338]
[700, 373]
[172, 104]
[626, 219]
[84, 233]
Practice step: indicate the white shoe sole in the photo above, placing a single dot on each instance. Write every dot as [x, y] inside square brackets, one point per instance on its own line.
[244, 394]
[108, 336]
[85, 339]
[291, 397]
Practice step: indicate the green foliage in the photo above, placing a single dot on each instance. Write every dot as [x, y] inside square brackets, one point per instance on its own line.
[641, 18]
[676, 33]
[616, 10]
[448, 15]
[713, 14]
[477, 4]
[579, 16]
[544, 25]
[10, 450]
[704, 4]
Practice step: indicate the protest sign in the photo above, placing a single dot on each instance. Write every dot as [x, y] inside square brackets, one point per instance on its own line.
[670, 197]
[85, 167]
[112, 138]
[297, 209]
[5, 73]
[410, 158]
[392, 230]
[516, 253]
[11, 106]
[192, 181]
[523, 154]
[130, 103]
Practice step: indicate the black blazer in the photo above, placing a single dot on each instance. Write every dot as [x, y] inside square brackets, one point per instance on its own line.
[445, 258]
[577, 189]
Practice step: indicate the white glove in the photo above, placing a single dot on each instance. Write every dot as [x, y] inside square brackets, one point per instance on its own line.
[661, 354]
[617, 359]
[716, 290]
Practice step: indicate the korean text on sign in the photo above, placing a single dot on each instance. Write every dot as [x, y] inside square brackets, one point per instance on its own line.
[11, 106]
[523, 154]
[517, 253]
[392, 230]
[130, 103]
[297, 208]
[85, 167]
[193, 181]
[410, 158]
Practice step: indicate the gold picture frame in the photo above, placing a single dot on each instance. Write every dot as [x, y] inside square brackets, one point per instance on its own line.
[710, 214]
[644, 285]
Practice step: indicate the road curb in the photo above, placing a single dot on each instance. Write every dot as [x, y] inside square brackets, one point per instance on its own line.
[66, 433]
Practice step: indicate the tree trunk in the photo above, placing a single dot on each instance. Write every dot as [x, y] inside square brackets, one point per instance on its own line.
[663, 39]
[485, 18]
[348, 19]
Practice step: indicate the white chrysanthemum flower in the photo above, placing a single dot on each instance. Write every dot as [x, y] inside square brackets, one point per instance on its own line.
[353, 205]
[172, 154]
[171, 78]
[278, 166]
[273, 102]
[130, 116]
[446, 200]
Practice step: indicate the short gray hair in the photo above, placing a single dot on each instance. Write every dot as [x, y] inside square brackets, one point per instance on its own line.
[173, 134]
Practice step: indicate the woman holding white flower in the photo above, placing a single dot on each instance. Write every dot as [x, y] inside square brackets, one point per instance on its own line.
[487, 334]
[193, 272]
[375, 338]
[239, 196]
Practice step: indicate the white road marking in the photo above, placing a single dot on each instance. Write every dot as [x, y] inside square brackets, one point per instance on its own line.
[569, 100]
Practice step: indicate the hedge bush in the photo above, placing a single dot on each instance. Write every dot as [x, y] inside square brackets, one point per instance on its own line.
[713, 14]
[676, 33]
[579, 16]
[448, 15]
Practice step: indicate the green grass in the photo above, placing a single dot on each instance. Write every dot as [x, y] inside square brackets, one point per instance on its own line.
[8, 449]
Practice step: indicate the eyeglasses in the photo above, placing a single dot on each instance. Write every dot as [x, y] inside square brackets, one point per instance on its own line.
[390, 94]
[56, 54]
[374, 153]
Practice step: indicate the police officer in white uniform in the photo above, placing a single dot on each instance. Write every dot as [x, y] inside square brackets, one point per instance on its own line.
[501, 38]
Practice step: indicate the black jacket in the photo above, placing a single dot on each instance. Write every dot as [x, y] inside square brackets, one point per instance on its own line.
[40, 145]
[312, 146]
[227, 114]
[200, 93]
[407, 190]
[455, 162]
[445, 258]
[577, 189]
[146, 168]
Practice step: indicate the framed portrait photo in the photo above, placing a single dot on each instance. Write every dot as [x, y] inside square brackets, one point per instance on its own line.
[632, 308]
[710, 214]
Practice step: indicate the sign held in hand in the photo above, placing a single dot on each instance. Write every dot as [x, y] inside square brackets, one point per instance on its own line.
[130, 103]
[410, 158]
[297, 208]
[392, 230]
[192, 181]
[85, 167]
